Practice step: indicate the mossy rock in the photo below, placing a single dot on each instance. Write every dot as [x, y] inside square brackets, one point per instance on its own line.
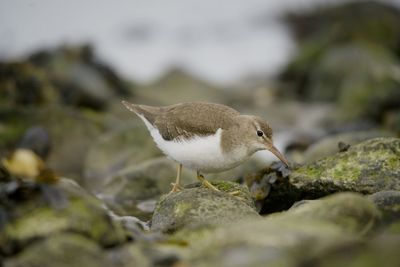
[196, 206]
[369, 167]
[62, 250]
[283, 239]
[39, 211]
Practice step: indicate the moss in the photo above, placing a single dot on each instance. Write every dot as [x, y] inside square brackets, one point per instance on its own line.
[181, 208]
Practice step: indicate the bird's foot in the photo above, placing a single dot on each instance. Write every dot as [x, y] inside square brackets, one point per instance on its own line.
[234, 193]
[209, 185]
[175, 188]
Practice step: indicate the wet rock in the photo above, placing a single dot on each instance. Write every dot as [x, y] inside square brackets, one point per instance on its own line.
[34, 211]
[329, 145]
[290, 238]
[368, 167]
[135, 190]
[67, 249]
[115, 151]
[196, 206]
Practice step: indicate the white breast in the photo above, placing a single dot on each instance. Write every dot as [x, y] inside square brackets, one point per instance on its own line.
[198, 153]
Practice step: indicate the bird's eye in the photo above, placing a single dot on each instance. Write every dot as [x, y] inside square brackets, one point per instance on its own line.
[260, 133]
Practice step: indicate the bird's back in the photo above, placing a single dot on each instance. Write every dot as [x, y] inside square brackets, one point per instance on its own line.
[186, 120]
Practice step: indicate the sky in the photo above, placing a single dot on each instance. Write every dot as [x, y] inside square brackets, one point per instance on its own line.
[222, 41]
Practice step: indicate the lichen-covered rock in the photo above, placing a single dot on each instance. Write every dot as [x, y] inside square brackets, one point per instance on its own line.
[62, 250]
[288, 238]
[134, 190]
[195, 206]
[33, 211]
[368, 167]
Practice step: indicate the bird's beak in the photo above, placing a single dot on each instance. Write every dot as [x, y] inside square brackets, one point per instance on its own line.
[278, 154]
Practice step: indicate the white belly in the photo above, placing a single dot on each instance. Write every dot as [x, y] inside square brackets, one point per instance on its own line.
[200, 153]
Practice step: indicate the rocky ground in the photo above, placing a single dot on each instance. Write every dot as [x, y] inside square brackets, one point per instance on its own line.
[82, 184]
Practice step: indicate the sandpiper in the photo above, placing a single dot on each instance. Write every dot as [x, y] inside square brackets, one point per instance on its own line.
[205, 137]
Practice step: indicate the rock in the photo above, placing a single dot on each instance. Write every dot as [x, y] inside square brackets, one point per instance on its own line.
[196, 206]
[144, 254]
[329, 145]
[67, 249]
[380, 251]
[38, 140]
[389, 204]
[290, 238]
[72, 133]
[115, 151]
[36, 211]
[80, 79]
[369, 167]
[135, 190]
[351, 212]
[24, 84]
[317, 35]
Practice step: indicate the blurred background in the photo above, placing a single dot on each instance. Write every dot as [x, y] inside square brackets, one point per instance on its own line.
[320, 72]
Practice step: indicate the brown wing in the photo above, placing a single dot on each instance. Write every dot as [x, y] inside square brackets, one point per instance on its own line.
[185, 120]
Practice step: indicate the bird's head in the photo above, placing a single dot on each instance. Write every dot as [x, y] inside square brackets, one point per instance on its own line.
[259, 136]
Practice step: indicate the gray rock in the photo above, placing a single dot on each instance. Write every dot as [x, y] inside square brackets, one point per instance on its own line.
[196, 206]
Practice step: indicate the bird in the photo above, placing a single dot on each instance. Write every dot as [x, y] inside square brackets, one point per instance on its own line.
[205, 137]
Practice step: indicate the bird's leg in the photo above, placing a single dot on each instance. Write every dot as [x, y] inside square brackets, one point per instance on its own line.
[176, 187]
[205, 182]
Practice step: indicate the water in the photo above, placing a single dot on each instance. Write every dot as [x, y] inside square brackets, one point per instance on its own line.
[222, 41]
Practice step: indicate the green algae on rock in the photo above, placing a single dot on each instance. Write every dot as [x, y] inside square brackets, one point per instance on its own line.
[368, 167]
[195, 206]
